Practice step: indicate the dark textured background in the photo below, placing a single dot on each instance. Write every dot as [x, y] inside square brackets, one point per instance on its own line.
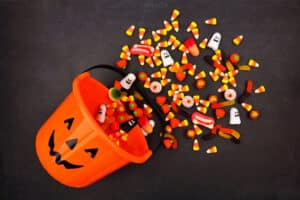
[45, 44]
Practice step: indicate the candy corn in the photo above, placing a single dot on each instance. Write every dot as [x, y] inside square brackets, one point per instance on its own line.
[163, 44]
[202, 109]
[184, 123]
[196, 146]
[142, 32]
[175, 44]
[197, 129]
[172, 38]
[260, 89]
[247, 107]
[157, 61]
[169, 116]
[164, 82]
[200, 75]
[196, 99]
[191, 26]
[149, 61]
[147, 41]
[175, 25]
[213, 76]
[238, 39]
[155, 36]
[195, 32]
[211, 21]
[141, 59]
[203, 43]
[162, 32]
[205, 102]
[223, 88]
[167, 25]
[175, 14]
[212, 150]
[130, 30]
[156, 74]
[232, 81]
[184, 59]
[253, 63]
[147, 83]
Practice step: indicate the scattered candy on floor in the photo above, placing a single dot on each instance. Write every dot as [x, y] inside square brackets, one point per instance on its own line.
[157, 49]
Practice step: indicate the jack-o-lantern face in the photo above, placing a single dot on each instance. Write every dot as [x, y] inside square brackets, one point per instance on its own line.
[71, 144]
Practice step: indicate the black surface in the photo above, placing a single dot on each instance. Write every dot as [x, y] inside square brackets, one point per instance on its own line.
[45, 44]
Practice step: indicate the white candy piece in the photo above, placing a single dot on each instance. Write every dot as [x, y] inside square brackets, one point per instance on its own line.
[155, 87]
[234, 116]
[214, 41]
[166, 58]
[127, 81]
[188, 101]
[101, 113]
[230, 94]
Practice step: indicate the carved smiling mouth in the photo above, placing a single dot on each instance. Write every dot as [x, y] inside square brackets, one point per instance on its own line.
[57, 155]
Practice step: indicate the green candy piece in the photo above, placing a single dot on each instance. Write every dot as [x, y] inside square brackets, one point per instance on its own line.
[114, 94]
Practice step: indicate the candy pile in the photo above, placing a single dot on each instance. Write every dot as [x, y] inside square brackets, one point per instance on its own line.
[124, 112]
[174, 96]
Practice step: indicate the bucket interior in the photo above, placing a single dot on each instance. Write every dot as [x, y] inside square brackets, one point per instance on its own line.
[90, 94]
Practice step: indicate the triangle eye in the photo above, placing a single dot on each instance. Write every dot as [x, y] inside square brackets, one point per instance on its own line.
[69, 122]
[71, 143]
[93, 151]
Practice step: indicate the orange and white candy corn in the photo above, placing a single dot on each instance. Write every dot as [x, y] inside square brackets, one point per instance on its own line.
[157, 61]
[191, 26]
[165, 82]
[172, 38]
[155, 36]
[203, 43]
[184, 123]
[167, 25]
[163, 44]
[196, 99]
[163, 71]
[197, 130]
[175, 44]
[195, 32]
[169, 116]
[147, 41]
[141, 59]
[237, 40]
[260, 89]
[156, 74]
[175, 25]
[213, 76]
[142, 32]
[212, 150]
[246, 106]
[130, 30]
[196, 146]
[253, 63]
[223, 88]
[175, 14]
[232, 81]
[149, 61]
[147, 83]
[156, 52]
[211, 21]
[205, 103]
[162, 32]
[124, 56]
[202, 109]
[201, 74]
[184, 59]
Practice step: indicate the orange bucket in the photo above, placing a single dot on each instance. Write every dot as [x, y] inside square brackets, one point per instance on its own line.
[72, 146]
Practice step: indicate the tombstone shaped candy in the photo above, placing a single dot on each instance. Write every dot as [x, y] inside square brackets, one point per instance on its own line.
[127, 81]
[234, 116]
[214, 41]
[166, 58]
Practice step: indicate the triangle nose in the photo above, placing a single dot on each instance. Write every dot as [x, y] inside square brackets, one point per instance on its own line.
[71, 143]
